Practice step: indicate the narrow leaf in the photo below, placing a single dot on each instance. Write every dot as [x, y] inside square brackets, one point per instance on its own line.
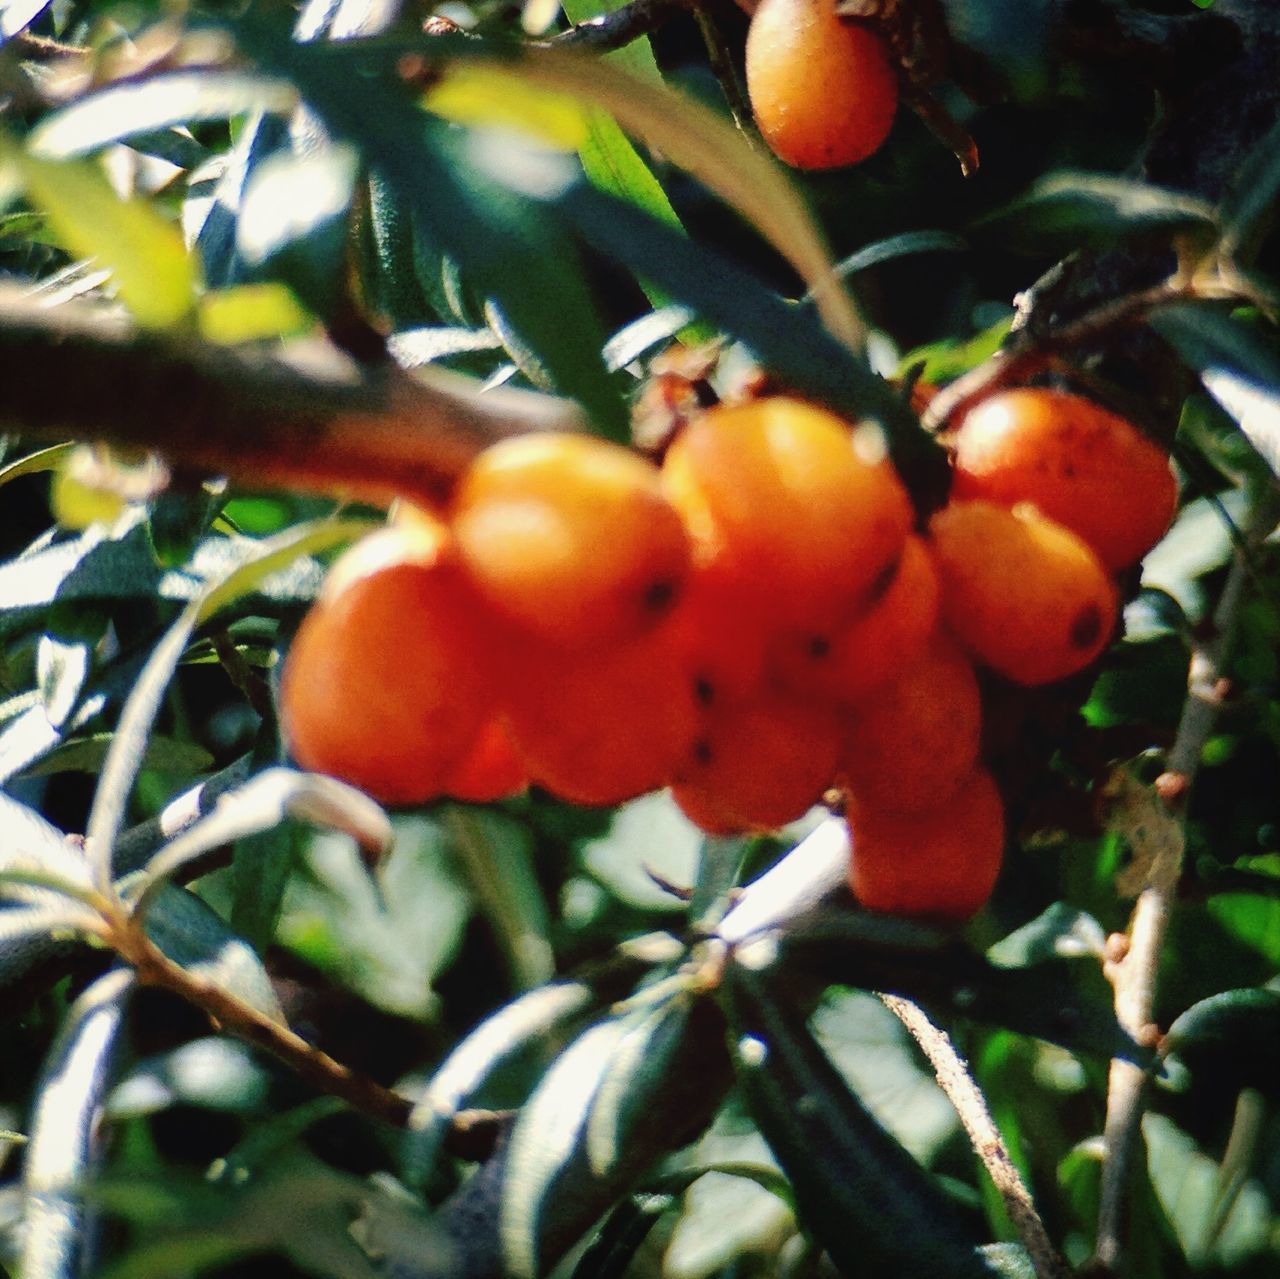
[545, 1139]
[122, 111]
[1249, 206]
[873, 1208]
[1233, 1037]
[150, 267]
[262, 804]
[59, 1156]
[1238, 368]
[510, 1030]
[129, 744]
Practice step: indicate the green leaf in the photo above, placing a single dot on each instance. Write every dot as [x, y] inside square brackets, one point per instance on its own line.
[866, 1201]
[1232, 1039]
[545, 1139]
[645, 834]
[504, 244]
[217, 1074]
[386, 938]
[197, 938]
[1068, 209]
[150, 267]
[1061, 932]
[262, 804]
[529, 1019]
[1248, 208]
[86, 754]
[128, 746]
[122, 111]
[64, 1131]
[251, 313]
[1237, 366]
[640, 1061]
[899, 246]
[37, 463]
[610, 1253]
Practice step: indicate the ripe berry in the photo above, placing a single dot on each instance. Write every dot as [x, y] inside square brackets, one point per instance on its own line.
[793, 514]
[385, 683]
[847, 663]
[601, 728]
[489, 769]
[1087, 468]
[758, 765]
[824, 90]
[910, 744]
[571, 537]
[941, 863]
[1024, 595]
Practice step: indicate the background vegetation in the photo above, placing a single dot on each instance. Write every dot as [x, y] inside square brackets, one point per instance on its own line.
[503, 1039]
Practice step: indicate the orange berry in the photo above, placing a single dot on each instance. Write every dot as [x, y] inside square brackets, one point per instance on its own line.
[851, 661]
[790, 510]
[489, 769]
[1081, 465]
[1024, 595]
[604, 727]
[385, 685]
[941, 863]
[571, 537]
[723, 640]
[824, 90]
[758, 765]
[911, 743]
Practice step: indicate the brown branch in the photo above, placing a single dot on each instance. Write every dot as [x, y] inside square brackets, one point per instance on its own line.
[231, 1015]
[303, 419]
[955, 1080]
[1153, 820]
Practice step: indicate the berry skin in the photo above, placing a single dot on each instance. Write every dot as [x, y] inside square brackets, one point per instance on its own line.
[385, 684]
[601, 728]
[571, 538]
[850, 662]
[1085, 467]
[941, 863]
[490, 768]
[1024, 595]
[910, 745]
[793, 514]
[824, 91]
[758, 765]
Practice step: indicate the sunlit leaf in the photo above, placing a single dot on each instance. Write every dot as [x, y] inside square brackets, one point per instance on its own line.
[150, 267]
[63, 1128]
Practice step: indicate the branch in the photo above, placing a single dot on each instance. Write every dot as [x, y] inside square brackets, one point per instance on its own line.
[955, 1080]
[303, 418]
[622, 26]
[1153, 820]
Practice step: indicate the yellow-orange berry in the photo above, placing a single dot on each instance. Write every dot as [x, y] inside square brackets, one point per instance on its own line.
[385, 684]
[908, 746]
[790, 510]
[571, 537]
[823, 89]
[1084, 467]
[941, 863]
[849, 662]
[601, 728]
[1024, 595]
[757, 765]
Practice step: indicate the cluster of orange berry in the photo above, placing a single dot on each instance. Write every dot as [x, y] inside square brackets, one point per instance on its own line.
[754, 621]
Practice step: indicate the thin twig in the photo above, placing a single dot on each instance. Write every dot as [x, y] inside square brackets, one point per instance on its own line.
[725, 69]
[622, 26]
[1155, 826]
[154, 968]
[955, 1080]
[1029, 348]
